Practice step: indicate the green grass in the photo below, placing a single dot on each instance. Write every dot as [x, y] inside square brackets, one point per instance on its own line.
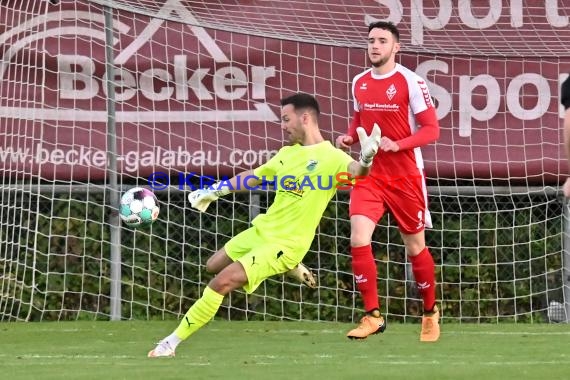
[282, 350]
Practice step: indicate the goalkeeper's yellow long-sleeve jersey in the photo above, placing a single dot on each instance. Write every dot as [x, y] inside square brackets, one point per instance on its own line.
[305, 178]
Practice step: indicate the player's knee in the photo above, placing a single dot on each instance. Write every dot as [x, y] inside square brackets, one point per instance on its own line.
[225, 284]
[358, 239]
[361, 230]
[215, 264]
[414, 248]
[211, 266]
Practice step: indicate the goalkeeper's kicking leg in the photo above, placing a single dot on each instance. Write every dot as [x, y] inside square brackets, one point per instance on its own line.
[248, 271]
[231, 277]
[301, 273]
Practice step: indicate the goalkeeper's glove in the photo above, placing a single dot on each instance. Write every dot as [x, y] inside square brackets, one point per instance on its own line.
[368, 144]
[201, 199]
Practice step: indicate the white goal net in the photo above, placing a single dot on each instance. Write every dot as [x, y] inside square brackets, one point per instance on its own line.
[99, 96]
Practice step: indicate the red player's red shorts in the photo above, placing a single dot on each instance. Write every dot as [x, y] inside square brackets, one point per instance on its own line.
[404, 197]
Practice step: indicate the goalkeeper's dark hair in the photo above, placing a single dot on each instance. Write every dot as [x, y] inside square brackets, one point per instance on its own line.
[386, 25]
[302, 100]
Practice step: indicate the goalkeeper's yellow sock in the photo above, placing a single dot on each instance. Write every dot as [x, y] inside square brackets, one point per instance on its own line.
[199, 314]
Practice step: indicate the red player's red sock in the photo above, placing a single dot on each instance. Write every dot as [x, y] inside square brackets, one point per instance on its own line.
[424, 274]
[365, 275]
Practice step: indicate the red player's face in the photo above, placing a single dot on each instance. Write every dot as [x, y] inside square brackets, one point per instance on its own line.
[382, 47]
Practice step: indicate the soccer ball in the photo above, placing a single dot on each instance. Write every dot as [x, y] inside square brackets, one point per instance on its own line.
[139, 207]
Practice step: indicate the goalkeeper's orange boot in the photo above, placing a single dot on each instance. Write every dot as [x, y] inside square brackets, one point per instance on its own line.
[370, 324]
[162, 349]
[430, 326]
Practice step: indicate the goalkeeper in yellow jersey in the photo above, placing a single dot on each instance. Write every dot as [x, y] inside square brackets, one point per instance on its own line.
[305, 175]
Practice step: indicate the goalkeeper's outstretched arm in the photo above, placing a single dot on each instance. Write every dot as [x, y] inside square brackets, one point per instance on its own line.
[244, 181]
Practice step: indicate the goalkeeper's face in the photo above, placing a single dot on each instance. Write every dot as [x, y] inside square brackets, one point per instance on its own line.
[382, 47]
[292, 124]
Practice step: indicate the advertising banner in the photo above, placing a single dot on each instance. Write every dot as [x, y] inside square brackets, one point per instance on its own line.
[196, 99]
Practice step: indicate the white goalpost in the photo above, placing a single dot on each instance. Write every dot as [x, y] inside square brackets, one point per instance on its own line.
[98, 96]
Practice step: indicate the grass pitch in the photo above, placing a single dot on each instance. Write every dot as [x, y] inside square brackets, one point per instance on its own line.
[282, 350]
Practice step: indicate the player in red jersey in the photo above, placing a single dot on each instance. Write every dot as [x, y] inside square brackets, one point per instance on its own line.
[398, 101]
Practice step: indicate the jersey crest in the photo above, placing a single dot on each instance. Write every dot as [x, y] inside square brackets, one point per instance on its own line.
[391, 91]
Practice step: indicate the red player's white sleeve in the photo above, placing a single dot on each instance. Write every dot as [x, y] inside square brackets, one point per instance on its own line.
[423, 110]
